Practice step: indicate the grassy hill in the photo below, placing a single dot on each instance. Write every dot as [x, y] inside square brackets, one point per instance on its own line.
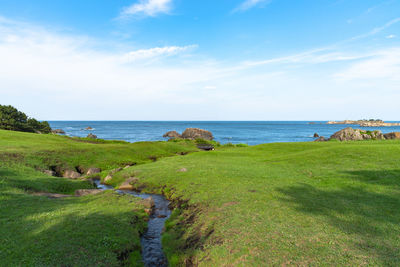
[326, 203]
[96, 230]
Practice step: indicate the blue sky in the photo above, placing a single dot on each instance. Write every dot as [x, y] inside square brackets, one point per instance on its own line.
[201, 60]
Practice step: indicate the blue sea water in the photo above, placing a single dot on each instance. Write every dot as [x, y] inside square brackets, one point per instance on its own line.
[248, 132]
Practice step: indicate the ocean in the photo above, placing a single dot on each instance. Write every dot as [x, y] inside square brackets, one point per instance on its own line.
[247, 132]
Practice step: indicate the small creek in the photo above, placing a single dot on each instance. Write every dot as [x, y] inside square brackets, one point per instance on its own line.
[152, 252]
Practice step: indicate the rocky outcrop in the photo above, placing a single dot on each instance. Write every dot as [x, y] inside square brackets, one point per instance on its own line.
[91, 136]
[88, 128]
[366, 123]
[172, 135]
[85, 192]
[321, 139]
[394, 135]
[128, 184]
[350, 134]
[316, 135]
[196, 133]
[190, 133]
[71, 174]
[92, 171]
[57, 131]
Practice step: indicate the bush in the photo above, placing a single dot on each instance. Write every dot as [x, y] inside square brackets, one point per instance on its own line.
[15, 120]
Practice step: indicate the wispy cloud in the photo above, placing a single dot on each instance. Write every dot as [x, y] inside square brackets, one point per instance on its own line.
[157, 52]
[247, 4]
[378, 29]
[384, 64]
[148, 8]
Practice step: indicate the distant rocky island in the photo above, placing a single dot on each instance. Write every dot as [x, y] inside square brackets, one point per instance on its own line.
[366, 123]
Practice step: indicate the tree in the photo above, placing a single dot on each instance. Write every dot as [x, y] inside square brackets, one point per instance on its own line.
[15, 120]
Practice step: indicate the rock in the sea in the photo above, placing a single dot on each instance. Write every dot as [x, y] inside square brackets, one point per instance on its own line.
[350, 134]
[195, 133]
[57, 131]
[71, 174]
[128, 184]
[88, 128]
[92, 136]
[321, 139]
[172, 135]
[394, 135]
[316, 135]
[92, 171]
[85, 192]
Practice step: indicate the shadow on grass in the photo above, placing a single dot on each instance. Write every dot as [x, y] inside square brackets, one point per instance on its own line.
[10, 178]
[370, 218]
[84, 231]
[384, 177]
[38, 231]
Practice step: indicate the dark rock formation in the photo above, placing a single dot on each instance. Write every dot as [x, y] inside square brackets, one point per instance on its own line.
[394, 135]
[172, 135]
[92, 136]
[316, 135]
[57, 131]
[350, 134]
[195, 133]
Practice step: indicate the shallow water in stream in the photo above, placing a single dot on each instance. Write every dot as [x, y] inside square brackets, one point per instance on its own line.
[152, 252]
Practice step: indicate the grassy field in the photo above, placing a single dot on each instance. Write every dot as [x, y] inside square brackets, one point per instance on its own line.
[97, 230]
[323, 204]
[320, 204]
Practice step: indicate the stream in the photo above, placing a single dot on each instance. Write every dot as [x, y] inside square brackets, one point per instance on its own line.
[152, 252]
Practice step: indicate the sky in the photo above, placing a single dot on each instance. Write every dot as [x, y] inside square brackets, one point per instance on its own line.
[201, 59]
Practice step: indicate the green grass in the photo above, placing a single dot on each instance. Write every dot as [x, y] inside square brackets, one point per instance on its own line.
[97, 230]
[319, 204]
[326, 204]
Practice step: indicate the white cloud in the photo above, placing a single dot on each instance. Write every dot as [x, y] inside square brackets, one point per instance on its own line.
[384, 64]
[247, 4]
[157, 52]
[391, 36]
[52, 75]
[149, 8]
